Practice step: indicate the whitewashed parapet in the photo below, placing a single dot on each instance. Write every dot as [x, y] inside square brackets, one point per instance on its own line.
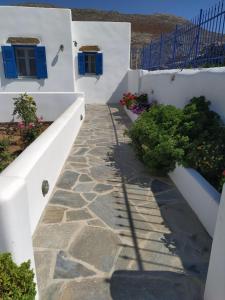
[15, 233]
[215, 287]
[200, 195]
[45, 157]
[177, 87]
[130, 114]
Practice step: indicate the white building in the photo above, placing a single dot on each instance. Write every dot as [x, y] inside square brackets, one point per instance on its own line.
[61, 63]
[46, 54]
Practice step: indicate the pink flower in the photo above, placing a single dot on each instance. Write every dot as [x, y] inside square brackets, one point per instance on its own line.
[40, 119]
[31, 125]
[21, 125]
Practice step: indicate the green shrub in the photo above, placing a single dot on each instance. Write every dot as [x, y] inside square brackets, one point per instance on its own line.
[193, 137]
[156, 139]
[25, 108]
[16, 282]
[30, 126]
[205, 151]
[5, 156]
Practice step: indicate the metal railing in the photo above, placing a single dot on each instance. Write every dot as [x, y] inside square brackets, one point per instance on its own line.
[199, 43]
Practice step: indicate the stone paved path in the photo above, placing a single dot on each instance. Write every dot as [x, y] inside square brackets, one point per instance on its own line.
[112, 231]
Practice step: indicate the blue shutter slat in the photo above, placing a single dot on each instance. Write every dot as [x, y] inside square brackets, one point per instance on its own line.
[9, 62]
[81, 63]
[41, 64]
[99, 64]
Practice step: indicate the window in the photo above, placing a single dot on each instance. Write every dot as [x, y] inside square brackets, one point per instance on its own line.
[26, 61]
[90, 63]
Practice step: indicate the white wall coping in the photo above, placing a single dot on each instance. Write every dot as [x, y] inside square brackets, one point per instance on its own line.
[21, 198]
[215, 287]
[130, 114]
[185, 71]
[202, 197]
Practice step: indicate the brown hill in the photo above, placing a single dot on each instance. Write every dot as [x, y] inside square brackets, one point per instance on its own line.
[144, 27]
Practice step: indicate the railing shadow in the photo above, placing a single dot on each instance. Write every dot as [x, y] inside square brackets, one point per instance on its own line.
[165, 249]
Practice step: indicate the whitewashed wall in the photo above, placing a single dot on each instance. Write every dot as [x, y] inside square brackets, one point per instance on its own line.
[177, 87]
[50, 105]
[200, 195]
[215, 287]
[114, 42]
[53, 28]
[21, 199]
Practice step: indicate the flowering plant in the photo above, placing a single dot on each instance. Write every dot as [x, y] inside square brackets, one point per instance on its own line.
[128, 100]
[25, 109]
[29, 132]
[30, 125]
[136, 103]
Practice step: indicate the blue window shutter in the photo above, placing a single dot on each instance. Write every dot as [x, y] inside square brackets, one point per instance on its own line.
[41, 64]
[99, 64]
[9, 62]
[81, 63]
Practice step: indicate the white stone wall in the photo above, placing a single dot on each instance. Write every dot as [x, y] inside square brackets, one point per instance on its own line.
[114, 42]
[21, 199]
[215, 287]
[49, 105]
[177, 87]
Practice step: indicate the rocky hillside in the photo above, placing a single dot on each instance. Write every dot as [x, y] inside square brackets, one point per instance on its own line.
[144, 27]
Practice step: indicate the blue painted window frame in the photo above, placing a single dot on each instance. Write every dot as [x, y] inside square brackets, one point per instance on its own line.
[83, 66]
[86, 54]
[11, 66]
[25, 46]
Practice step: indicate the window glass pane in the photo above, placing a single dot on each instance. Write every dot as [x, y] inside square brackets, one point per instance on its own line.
[20, 52]
[32, 67]
[31, 53]
[90, 63]
[93, 64]
[21, 63]
[26, 62]
[86, 63]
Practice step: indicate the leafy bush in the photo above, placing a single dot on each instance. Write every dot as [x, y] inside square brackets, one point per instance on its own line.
[30, 132]
[193, 137]
[5, 156]
[25, 108]
[205, 151]
[31, 126]
[16, 282]
[156, 139]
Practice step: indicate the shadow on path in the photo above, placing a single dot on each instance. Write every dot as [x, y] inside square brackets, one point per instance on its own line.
[167, 248]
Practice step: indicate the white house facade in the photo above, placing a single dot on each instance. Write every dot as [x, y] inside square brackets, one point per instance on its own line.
[40, 55]
[64, 65]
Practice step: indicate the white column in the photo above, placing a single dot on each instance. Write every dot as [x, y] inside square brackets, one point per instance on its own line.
[215, 284]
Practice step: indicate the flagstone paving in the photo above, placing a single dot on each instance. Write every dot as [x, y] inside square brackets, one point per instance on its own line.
[113, 231]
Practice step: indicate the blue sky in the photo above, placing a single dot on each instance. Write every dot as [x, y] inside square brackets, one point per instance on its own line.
[184, 8]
